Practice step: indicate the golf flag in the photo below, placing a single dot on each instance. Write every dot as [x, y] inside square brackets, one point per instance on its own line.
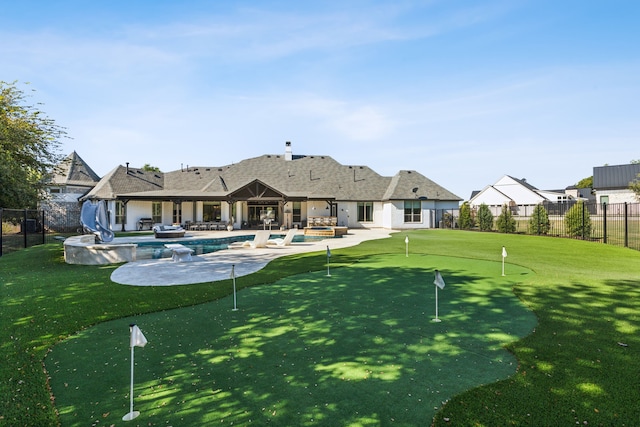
[233, 272]
[137, 337]
[137, 340]
[439, 281]
[504, 252]
[328, 252]
[406, 239]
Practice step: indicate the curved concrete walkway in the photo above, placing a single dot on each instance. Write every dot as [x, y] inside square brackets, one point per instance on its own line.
[217, 265]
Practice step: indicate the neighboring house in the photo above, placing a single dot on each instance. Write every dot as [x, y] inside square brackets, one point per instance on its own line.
[611, 184]
[517, 194]
[71, 180]
[288, 190]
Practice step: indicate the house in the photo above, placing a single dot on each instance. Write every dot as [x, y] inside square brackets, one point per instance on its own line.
[516, 193]
[277, 189]
[611, 183]
[70, 180]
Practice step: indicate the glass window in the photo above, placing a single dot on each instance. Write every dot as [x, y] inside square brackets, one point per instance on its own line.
[156, 212]
[211, 211]
[604, 200]
[365, 211]
[121, 212]
[297, 211]
[412, 211]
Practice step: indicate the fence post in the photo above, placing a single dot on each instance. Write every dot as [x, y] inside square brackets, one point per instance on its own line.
[604, 222]
[626, 225]
[582, 228]
[24, 228]
[1, 209]
[42, 224]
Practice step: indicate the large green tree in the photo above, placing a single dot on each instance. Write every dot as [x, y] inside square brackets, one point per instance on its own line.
[29, 143]
[466, 219]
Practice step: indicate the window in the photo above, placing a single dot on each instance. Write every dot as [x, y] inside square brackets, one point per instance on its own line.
[177, 213]
[365, 211]
[211, 211]
[156, 212]
[604, 200]
[297, 209]
[412, 211]
[121, 212]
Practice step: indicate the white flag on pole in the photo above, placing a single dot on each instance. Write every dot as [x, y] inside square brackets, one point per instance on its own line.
[137, 337]
[233, 271]
[439, 282]
[328, 252]
[504, 252]
[406, 239]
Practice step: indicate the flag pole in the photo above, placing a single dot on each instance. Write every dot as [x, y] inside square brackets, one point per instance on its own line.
[406, 246]
[436, 319]
[504, 255]
[233, 276]
[328, 258]
[132, 414]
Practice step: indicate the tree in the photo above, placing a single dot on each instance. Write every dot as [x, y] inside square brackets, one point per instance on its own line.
[539, 221]
[577, 221]
[635, 186]
[148, 168]
[585, 182]
[485, 218]
[506, 223]
[466, 220]
[28, 144]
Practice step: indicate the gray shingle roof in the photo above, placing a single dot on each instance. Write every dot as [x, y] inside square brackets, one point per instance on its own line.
[614, 176]
[72, 170]
[313, 177]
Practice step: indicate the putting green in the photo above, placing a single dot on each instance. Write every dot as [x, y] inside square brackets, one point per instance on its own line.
[357, 348]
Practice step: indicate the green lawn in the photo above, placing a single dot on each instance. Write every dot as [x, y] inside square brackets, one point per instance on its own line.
[572, 369]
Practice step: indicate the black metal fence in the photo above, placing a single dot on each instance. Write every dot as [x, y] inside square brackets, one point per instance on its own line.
[615, 224]
[22, 228]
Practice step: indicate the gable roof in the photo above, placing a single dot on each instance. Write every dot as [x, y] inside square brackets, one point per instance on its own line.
[618, 176]
[302, 177]
[73, 170]
[512, 190]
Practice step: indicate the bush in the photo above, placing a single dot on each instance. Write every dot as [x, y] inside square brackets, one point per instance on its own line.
[466, 220]
[505, 222]
[485, 218]
[577, 221]
[539, 222]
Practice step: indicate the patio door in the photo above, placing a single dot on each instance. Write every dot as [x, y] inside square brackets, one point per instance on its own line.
[259, 213]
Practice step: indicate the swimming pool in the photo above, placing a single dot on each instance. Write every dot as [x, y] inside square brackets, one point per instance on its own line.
[156, 249]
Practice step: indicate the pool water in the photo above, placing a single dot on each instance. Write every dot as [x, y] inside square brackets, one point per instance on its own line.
[156, 249]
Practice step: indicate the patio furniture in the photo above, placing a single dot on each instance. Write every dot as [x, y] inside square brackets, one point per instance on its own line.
[180, 253]
[168, 231]
[259, 241]
[145, 222]
[286, 241]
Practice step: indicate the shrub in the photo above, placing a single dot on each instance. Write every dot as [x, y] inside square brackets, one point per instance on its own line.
[485, 218]
[539, 222]
[577, 221]
[505, 222]
[466, 220]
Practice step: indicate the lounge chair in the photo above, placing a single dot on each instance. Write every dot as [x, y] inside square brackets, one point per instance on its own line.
[286, 241]
[168, 231]
[259, 241]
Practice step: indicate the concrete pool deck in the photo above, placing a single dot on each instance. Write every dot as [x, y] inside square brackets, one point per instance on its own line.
[217, 265]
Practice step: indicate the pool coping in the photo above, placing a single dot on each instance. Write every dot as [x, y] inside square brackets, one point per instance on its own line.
[217, 265]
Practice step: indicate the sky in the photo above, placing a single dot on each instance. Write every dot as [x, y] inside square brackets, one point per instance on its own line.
[463, 92]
